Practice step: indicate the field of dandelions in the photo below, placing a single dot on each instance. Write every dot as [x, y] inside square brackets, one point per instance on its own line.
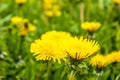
[59, 39]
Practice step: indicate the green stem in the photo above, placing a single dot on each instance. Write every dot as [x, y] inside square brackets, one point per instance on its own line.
[88, 10]
[82, 11]
[48, 70]
[101, 3]
[40, 72]
[72, 76]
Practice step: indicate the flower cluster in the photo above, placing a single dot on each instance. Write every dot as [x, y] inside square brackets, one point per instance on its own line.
[51, 8]
[56, 45]
[47, 48]
[26, 25]
[90, 26]
[101, 61]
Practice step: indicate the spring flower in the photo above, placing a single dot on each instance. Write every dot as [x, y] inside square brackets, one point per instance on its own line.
[56, 36]
[116, 1]
[47, 6]
[49, 1]
[51, 8]
[80, 48]
[23, 31]
[90, 26]
[16, 20]
[20, 1]
[114, 56]
[47, 50]
[99, 61]
[26, 28]
[49, 13]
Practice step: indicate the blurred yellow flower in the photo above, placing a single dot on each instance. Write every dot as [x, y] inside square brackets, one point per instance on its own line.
[25, 21]
[56, 10]
[80, 48]
[47, 50]
[23, 31]
[20, 1]
[31, 27]
[114, 56]
[27, 27]
[51, 13]
[90, 26]
[116, 1]
[51, 8]
[47, 6]
[57, 13]
[49, 1]
[16, 20]
[99, 61]
[48, 13]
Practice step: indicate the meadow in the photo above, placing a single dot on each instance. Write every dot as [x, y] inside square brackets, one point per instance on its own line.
[59, 39]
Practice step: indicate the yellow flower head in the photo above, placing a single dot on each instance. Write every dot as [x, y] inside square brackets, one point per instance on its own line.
[47, 6]
[114, 56]
[58, 13]
[90, 26]
[23, 31]
[51, 8]
[25, 21]
[116, 1]
[49, 13]
[80, 48]
[31, 27]
[20, 1]
[56, 36]
[47, 50]
[27, 27]
[49, 1]
[99, 61]
[16, 20]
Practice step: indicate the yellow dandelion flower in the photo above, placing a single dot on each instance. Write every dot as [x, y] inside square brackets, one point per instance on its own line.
[56, 36]
[116, 1]
[50, 1]
[47, 50]
[20, 1]
[31, 27]
[47, 6]
[48, 13]
[25, 21]
[23, 31]
[59, 37]
[99, 61]
[51, 9]
[56, 10]
[56, 7]
[51, 13]
[81, 48]
[90, 26]
[16, 20]
[26, 28]
[58, 13]
[114, 56]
